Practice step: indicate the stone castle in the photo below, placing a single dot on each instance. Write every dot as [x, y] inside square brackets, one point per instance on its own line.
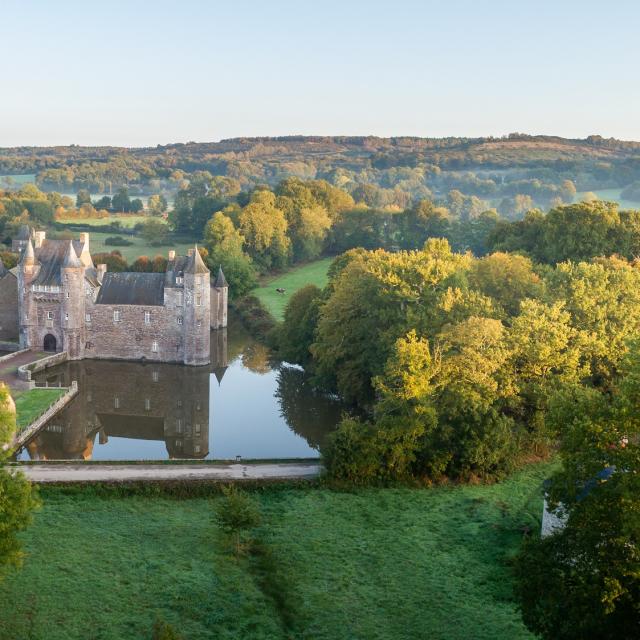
[63, 302]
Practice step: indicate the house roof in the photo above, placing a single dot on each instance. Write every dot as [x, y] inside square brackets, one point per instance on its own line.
[143, 289]
[53, 256]
[195, 264]
[175, 268]
[221, 281]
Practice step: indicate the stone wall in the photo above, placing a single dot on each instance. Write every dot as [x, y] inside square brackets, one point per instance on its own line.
[130, 338]
[9, 307]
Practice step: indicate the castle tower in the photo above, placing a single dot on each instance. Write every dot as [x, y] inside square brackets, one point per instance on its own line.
[220, 301]
[27, 271]
[72, 319]
[197, 312]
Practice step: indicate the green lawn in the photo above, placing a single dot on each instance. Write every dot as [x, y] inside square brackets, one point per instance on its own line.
[311, 273]
[125, 221]
[374, 564]
[31, 404]
[139, 247]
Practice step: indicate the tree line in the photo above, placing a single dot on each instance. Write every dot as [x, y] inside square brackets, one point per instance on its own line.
[511, 173]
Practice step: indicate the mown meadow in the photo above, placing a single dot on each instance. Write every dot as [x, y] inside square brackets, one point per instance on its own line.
[378, 563]
[311, 273]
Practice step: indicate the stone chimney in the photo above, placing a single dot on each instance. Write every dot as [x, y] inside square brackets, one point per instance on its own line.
[38, 238]
[172, 255]
[101, 269]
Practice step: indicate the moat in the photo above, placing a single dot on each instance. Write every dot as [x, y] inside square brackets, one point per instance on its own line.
[244, 404]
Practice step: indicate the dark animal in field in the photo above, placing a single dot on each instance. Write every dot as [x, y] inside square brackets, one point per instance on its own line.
[281, 290]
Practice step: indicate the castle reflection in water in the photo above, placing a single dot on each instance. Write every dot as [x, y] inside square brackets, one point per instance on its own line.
[161, 402]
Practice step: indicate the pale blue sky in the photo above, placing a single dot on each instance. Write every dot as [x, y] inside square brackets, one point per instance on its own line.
[141, 73]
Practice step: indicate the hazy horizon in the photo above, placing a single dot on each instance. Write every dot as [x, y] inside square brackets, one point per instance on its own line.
[308, 135]
[130, 74]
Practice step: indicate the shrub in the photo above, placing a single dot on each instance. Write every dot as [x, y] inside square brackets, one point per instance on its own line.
[118, 241]
[255, 317]
[362, 453]
[164, 631]
[237, 514]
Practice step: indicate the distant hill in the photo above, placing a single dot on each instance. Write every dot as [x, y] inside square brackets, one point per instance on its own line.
[403, 169]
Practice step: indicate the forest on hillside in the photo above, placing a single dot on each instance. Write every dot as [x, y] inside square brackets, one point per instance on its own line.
[510, 174]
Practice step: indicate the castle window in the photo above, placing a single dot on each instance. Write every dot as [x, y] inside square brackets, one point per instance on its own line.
[116, 316]
[87, 317]
[116, 402]
[68, 294]
[197, 429]
[154, 346]
[66, 317]
[198, 301]
[49, 315]
[199, 323]
[155, 376]
[179, 319]
[179, 404]
[178, 279]
[147, 404]
[196, 449]
[147, 317]
[178, 425]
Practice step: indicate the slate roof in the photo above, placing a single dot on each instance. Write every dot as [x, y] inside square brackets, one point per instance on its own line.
[143, 289]
[175, 268]
[54, 255]
[221, 281]
[195, 264]
[51, 256]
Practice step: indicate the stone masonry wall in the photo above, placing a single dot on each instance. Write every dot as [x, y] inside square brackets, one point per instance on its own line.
[9, 308]
[130, 338]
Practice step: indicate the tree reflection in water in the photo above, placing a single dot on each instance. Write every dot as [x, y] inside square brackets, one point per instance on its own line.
[133, 410]
[309, 413]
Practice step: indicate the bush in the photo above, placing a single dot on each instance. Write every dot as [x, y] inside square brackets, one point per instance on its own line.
[9, 259]
[255, 317]
[361, 453]
[237, 514]
[164, 631]
[114, 261]
[118, 241]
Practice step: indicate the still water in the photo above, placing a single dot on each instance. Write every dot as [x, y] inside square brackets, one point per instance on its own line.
[243, 404]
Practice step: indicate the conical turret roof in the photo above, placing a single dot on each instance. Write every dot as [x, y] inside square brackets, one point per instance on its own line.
[195, 264]
[29, 255]
[221, 281]
[71, 260]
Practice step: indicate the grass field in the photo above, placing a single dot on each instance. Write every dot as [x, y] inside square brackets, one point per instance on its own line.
[311, 273]
[139, 247]
[125, 221]
[374, 564]
[31, 404]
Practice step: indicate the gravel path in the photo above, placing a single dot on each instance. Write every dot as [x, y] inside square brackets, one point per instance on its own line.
[153, 472]
[9, 369]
